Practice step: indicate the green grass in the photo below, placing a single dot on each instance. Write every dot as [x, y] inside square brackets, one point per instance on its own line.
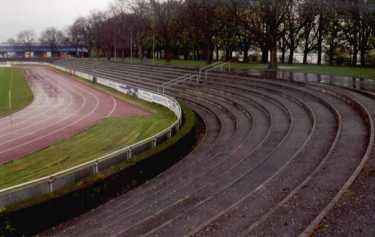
[316, 69]
[332, 70]
[191, 63]
[182, 138]
[248, 66]
[195, 63]
[109, 135]
[21, 95]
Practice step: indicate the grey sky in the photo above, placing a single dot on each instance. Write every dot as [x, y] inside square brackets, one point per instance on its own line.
[18, 15]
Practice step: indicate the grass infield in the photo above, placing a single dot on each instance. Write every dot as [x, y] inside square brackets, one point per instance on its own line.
[107, 136]
[12, 80]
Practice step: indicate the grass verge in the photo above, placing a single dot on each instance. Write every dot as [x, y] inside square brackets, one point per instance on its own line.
[107, 136]
[12, 79]
[358, 72]
[342, 71]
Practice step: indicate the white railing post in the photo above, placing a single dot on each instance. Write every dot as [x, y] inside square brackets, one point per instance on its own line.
[129, 154]
[96, 168]
[51, 182]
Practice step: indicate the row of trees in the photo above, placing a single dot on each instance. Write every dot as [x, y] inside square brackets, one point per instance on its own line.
[50, 37]
[212, 30]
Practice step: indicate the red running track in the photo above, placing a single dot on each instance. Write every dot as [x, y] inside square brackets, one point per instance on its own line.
[62, 107]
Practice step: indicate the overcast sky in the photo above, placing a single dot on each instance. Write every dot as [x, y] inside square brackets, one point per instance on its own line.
[18, 15]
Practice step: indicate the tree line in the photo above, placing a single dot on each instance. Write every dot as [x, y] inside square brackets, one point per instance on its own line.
[336, 31]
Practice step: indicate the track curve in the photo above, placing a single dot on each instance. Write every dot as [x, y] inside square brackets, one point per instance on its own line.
[274, 156]
[61, 108]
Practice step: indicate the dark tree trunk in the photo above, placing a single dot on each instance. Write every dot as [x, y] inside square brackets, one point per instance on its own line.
[305, 54]
[168, 54]
[355, 46]
[198, 54]
[176, 53]
[305, 50]
[264, 55]
[283, 52]
[363, 57]
[331, 53]
[355, 56]
[211, 50]
[320, 40]
[246, 54]
[228, 54]
[291, 55]
[141, 52]
[273, 63]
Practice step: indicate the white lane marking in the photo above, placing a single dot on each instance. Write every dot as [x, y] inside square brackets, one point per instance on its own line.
[34, 110]
[32, 122]
[35, 131]
[55, 131]
[71, 124]
[41, 111]
[114, 107]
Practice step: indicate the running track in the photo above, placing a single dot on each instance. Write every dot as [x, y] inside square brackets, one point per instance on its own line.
[61, 108]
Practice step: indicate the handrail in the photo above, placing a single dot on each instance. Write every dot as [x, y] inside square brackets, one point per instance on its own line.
[94, 163]
[220, 65]
[179, 79]
[186, 77]
[206, 68]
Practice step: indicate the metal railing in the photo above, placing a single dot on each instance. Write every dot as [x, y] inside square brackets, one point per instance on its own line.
[214, 67]
[191, 76]
[169, 84]
[56, 181]
[203, 69]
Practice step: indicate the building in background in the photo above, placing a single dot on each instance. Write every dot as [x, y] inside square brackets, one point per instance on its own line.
[40, 51]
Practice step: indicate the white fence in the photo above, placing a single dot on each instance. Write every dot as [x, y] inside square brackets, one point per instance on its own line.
[4, 64]
[73, 175]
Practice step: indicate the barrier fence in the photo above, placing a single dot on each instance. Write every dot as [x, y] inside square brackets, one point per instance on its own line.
[51, 183]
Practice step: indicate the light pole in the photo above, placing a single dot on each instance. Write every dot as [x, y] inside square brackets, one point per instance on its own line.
[153, 47]
[10, 88]
[131, 47]
[10, 95]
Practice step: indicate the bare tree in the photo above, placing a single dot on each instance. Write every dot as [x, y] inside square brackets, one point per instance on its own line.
[366, 31]
[52, 37]
[263, 18]
[166, 24]
[198, 27]
[11, 41]
[26, 38]
[95, 21]
[309, 33]
[79, 34]
[293, 26]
